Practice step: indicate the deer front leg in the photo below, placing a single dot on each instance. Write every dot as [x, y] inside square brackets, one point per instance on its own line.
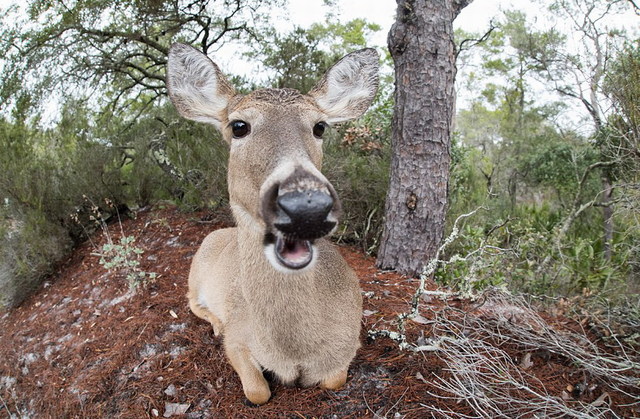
[255, 387]
[205, 314]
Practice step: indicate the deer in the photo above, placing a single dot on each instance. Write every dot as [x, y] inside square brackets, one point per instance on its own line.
[277, 290]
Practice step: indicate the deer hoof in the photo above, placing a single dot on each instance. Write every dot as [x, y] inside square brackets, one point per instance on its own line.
[258, 397]
[334, 382]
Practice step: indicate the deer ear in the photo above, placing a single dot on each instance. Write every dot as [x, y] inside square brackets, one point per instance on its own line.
[196, 86]
[348, 88]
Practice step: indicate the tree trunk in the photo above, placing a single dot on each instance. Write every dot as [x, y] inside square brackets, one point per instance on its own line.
[422, 47]
[607, 213]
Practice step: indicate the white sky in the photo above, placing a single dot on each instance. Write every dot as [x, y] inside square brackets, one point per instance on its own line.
[473, 18]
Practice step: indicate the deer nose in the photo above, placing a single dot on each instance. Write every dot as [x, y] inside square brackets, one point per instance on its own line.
[303, 214]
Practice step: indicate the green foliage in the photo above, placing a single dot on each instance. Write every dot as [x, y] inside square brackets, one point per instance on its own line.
[300, 57]
[30, 245]
[620, 137]
[532, 177]
[115, 50]
[200, 155]
[621, 85]
[121, 257]
[558, 165]
[357, 162]
[343, 38]
[46, 175]
[358, 167]
[470, 177]
[124, 257]
[295, 58]
[511, 253]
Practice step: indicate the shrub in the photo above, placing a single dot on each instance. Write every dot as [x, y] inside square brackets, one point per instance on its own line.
[31, 245]
[124, 257]
[357, 162]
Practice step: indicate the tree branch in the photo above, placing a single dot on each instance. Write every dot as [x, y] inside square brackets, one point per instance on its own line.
[473, 42]
[132, 36]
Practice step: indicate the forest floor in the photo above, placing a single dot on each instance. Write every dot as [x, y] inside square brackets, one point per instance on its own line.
[84, 346]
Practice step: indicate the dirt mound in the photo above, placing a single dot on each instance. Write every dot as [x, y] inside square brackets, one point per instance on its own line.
[84, 346]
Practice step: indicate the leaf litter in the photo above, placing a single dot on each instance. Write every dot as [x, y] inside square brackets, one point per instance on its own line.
[84, 346]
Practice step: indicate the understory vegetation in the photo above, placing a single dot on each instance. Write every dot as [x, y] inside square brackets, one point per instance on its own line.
[553, 184]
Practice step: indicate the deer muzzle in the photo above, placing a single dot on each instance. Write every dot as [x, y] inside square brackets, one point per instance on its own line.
[304, 214]
[298, 211]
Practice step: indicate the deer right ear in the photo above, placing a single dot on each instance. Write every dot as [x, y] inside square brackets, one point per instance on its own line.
[348, 88]
[196, 86]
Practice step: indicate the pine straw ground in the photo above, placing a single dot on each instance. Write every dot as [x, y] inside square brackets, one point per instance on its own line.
[82, 346]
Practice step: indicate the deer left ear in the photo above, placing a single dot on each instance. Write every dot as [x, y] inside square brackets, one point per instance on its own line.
[196, 85]
[348, 88]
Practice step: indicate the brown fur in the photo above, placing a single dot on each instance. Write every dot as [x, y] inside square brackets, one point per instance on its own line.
[301, 325]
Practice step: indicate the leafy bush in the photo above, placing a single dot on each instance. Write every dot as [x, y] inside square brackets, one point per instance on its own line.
[200, 156]
[31, 244]
[124, 257]
[522, 255]
[357, 164]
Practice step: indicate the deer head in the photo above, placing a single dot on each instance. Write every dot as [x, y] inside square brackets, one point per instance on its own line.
[276, 190]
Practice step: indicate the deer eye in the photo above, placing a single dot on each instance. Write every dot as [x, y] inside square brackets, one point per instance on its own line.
[240, 129]
[318, 129]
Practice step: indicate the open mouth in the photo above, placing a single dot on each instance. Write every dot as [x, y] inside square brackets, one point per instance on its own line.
[293, 253]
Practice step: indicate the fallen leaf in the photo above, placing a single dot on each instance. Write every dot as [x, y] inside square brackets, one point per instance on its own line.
[173, 409]
[171, 390]
[173, 314]
[526, 362]
[420, 319]
[367, 313]
[420, 377]
[602, 400]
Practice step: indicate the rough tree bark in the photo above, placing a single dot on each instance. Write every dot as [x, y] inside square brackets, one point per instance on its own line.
[422, 47]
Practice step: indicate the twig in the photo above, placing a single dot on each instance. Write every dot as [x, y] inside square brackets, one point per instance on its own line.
[427, 272]
[5, 406]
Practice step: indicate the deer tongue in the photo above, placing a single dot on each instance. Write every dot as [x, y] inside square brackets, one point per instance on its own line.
[292, 253]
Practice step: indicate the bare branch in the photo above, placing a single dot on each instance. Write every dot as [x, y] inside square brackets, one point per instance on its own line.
[462, 46]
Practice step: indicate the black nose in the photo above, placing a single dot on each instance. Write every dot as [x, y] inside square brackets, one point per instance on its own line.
[304, 214]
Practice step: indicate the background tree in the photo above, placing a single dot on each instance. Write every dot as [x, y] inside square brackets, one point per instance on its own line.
[522, 126]
[117, 50]
[422, 47]
[297, 59]
[115, 53]
[622, 86]
[576, 70]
